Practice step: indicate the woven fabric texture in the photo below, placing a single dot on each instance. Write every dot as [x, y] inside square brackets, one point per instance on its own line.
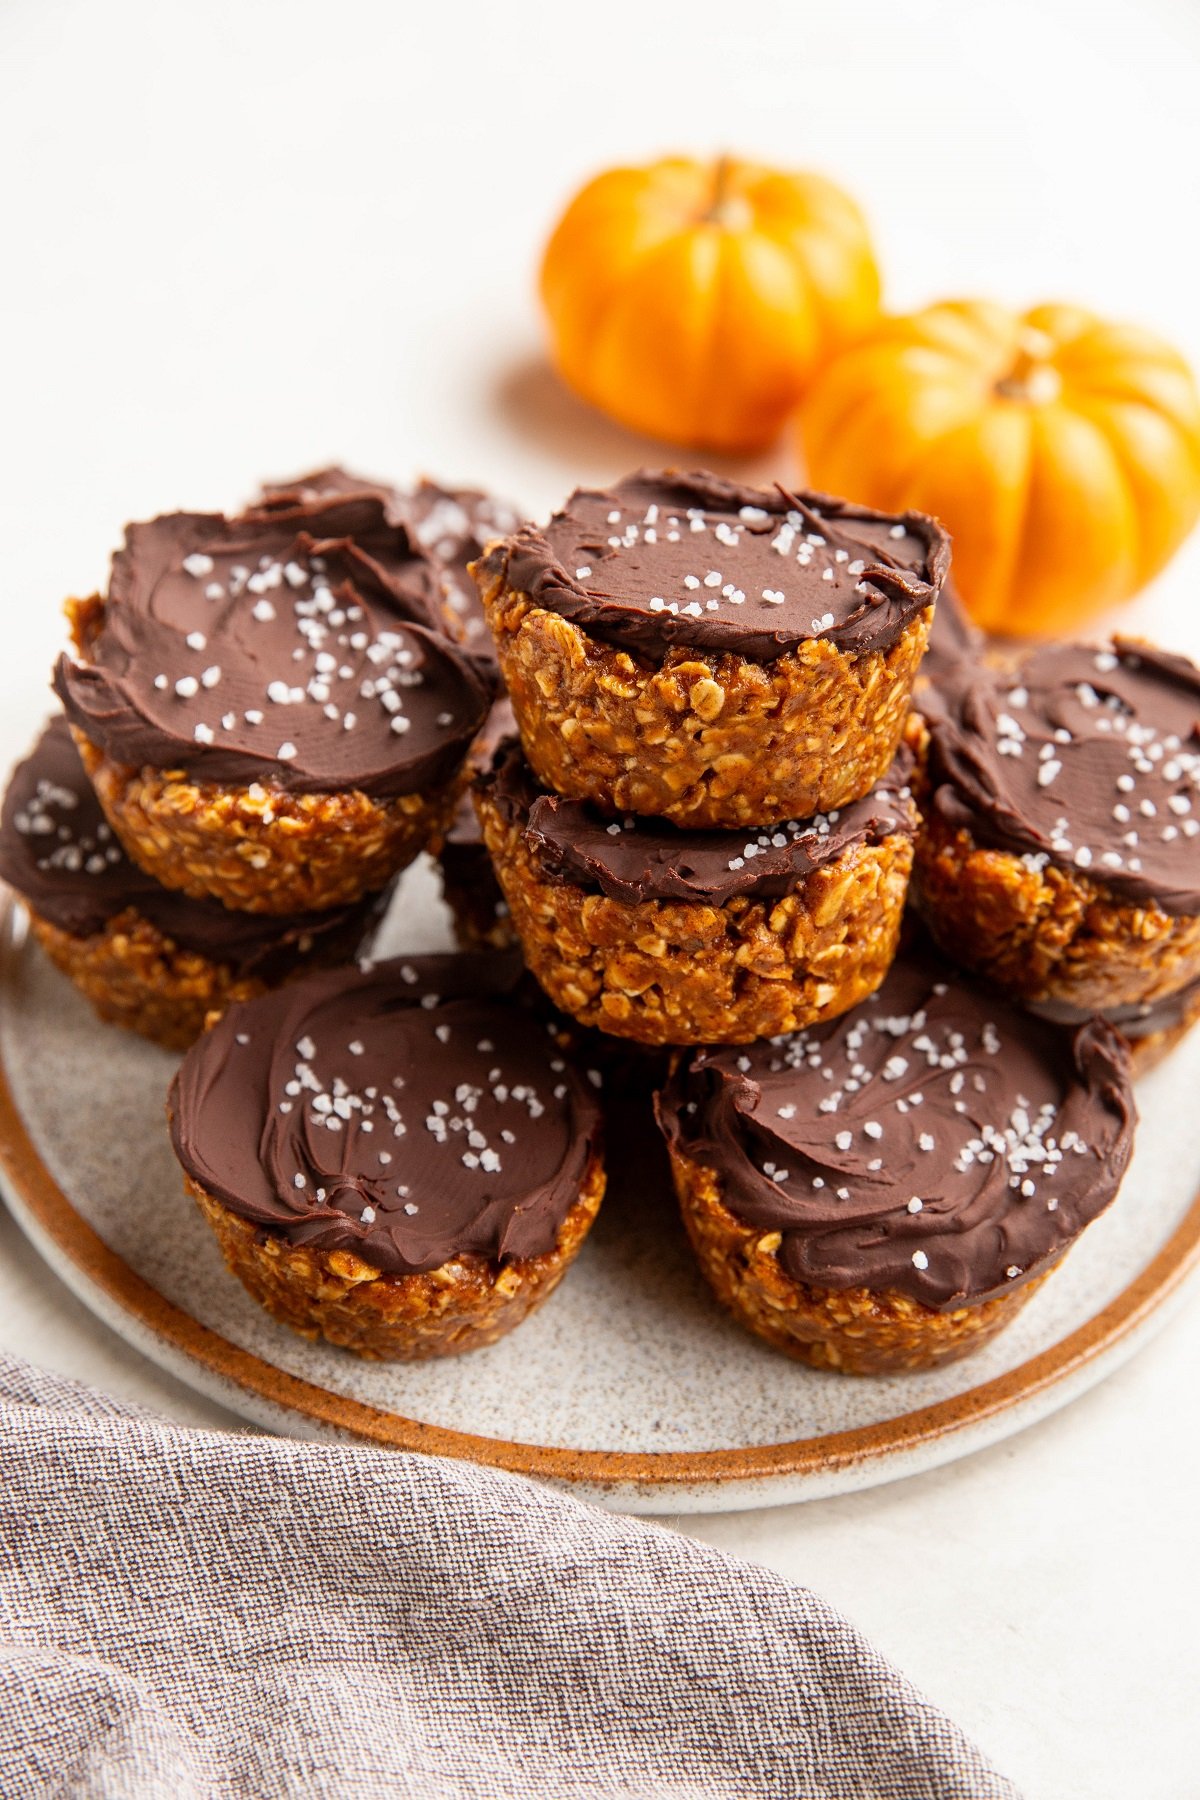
[196, 1616]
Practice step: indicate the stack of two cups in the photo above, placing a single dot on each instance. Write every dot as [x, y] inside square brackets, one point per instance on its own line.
[704, 839]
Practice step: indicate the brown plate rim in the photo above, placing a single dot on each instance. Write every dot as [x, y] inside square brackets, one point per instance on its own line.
[25, 1174]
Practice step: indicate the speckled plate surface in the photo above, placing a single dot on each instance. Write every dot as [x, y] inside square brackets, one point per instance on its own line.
[629, 1386]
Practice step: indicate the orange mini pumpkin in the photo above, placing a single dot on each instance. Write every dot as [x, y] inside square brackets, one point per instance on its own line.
[692, 301]
[1061, 452]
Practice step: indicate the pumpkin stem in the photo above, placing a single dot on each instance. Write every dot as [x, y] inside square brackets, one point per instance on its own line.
[1032, 378]
[732, 211]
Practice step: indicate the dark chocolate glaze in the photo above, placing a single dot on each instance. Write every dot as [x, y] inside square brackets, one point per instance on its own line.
[409, 1114]
[954, 641]
[249, 649]
[635, 859]
[297, 498]
[59, 853]
[1083, 757]
[1138, 1020]
[666, 558]
[452, 525]
[936, 1140]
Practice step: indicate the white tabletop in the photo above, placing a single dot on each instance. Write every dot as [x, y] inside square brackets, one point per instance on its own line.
[246, 238]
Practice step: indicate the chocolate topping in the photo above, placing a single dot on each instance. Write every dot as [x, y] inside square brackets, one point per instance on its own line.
[954, 642]
[452, 525]
[499, 725]
[409, 1115]
[636, 859]
[667, 558]
[1086, 758]
[936, 1140]
[59, 853]
[1136, 1021]
[297, 498]
[246, 649]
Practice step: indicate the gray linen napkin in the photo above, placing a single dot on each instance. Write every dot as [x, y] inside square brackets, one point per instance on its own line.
[187, 1615]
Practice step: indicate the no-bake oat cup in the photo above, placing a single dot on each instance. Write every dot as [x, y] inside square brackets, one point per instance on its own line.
[1060, 851]
[145, 957]
[883, 1193]
[666, 936]
[268, 717]
[719, 656]
[399, 1162]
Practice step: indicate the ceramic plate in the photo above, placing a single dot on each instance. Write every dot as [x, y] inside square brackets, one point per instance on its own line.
[629, 1386]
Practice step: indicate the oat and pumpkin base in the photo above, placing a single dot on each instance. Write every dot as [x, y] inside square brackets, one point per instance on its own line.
[802, 929]
[1048, 934]
[703, 738]
[261, 849]
[399, 1160]
[853, 1331]
[881, 1192]
[465, 1304]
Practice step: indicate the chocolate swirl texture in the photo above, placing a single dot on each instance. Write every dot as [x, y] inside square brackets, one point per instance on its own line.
[409, 1115]
[637, 859]
[247, 649]
[1082, 757]
[934, 1141]
[452, 526]
[59, 853]
[666, 558]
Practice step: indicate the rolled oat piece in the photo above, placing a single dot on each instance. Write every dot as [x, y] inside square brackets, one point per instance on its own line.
[269, 718]
[883, 1193]
[399, 1161]
[452, 525]
[145, 957]
[699, 937]
[720, 656]
[1060, 851]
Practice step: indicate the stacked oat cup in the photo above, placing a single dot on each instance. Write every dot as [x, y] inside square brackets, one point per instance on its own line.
[685, 764]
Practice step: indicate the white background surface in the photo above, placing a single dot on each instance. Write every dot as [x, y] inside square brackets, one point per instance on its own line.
[243, 238]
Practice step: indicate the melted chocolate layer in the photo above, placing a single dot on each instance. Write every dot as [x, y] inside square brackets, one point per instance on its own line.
[59, 853]
[954, 642]
[638, 859]
[245, 649]
[935, 1140]
[1085, 758]
[452, 525]
[666, 558]
[499, 725]
[409, 1115]
[1138, 1020]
